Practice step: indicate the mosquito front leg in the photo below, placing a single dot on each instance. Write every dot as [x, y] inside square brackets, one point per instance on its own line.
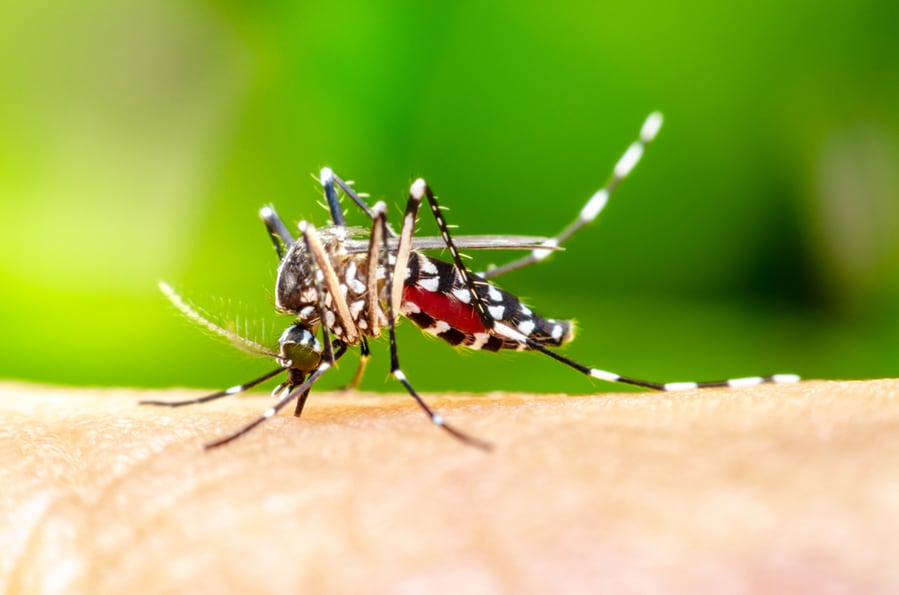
[595, 204]
[300, 392]
[331, 284]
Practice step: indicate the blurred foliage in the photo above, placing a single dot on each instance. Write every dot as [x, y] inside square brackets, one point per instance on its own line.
[139, 138]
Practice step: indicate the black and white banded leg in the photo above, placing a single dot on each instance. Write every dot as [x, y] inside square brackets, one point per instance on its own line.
[293, 388]
[594, 206]
[277, 231]
[394, 283]
[328, 180]
[502, 329]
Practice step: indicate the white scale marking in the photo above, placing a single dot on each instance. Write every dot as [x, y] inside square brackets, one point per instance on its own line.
[417, 190]
[541, 253]
[496, 311]
[480, 339]
[629, 160]
[556, 332]
[651, 127]
[508, 332]
[357, 286]
[603, 375]
[426, 266]
[463, 295]
[596, 204]
[526, 326]
[356, 308]
[494, 294]
[439, 326]
[677, 386]
[785, 378]
[430, 284]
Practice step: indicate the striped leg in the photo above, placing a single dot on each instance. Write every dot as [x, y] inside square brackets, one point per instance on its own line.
[501, 329]
[239, 388]
[394, 284]
[300, 392]
[328, 180]
[277, 231]
[595, 204]
[513, 334]
[302, 389]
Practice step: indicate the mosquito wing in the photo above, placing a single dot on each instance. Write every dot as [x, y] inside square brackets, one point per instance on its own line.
[480, 242]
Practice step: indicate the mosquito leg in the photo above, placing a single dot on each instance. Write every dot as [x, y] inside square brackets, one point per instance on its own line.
[277, 231]
[595, 204]
[327, 360]
[328, 180]
[500, 328]
[506, 331]
[302, 389]
[301, 402]
[346, 331]
[395, 280]
[364, 355]
[227, 392]
[419, 190]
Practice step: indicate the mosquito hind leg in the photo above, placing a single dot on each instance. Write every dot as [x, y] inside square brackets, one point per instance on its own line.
[594, 205]
[510, 333]
[420, 189]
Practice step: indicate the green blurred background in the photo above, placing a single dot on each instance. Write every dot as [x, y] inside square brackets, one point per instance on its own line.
[138, 139]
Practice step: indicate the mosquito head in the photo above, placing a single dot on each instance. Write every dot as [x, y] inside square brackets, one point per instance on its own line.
[295, 289]
[300, 349]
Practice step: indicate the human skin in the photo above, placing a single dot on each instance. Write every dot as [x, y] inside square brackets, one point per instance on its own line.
[776, 488]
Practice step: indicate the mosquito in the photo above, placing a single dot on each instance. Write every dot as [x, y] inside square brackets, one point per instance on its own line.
[348, 287]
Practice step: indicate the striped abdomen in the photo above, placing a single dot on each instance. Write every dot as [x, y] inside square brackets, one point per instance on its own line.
[436, 299]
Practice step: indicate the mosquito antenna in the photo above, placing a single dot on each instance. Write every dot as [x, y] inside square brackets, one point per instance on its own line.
[194, 315]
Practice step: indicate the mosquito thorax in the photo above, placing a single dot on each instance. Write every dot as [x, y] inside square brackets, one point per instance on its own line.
[295, 290]
[300, 349]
